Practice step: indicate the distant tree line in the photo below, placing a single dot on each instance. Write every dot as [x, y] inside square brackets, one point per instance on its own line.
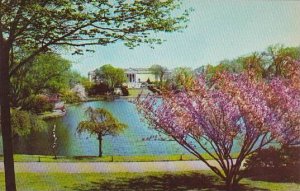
[273, 62]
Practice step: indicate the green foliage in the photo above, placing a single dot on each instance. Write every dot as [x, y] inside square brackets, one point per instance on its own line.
[212, 70]
[75, 77]
[183, 78]
[41, 26]
[267, 163]
[39, 104]
[272, 62]
[277, 58]
[70, 97]
[159, 72]
[48, 72]
[100, 122]
[99, 89]
[87, 84]
[226, 65]
[110, 75]
[24, 122]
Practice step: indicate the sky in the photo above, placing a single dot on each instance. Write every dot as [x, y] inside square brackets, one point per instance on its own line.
[217, 30]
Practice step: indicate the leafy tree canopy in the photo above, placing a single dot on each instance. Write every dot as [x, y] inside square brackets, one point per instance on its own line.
[48, 72]
[110, 75]
[159, 71]
[42, 25]
[101, 123]
[274, 61]
[183, 77]
[24, 122]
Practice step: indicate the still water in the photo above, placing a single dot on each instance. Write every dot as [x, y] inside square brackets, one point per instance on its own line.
[129, 142]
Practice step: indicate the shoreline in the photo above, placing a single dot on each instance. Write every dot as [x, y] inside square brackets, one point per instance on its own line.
[55, 114]
[51, 115]
[108, 158]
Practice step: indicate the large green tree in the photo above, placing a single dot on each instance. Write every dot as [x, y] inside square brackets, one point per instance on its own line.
[159, 72]
[272, 62]
[42, 25]
[110, 75]
[76, 78]
[47, 72]
[235, 66]
[102, 123]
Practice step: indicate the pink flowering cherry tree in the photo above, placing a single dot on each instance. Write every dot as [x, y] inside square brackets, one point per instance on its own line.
[234, 110]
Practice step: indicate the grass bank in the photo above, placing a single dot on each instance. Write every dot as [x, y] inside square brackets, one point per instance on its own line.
[134, 92]
[196, 181]
[143, 158]
[50, 115]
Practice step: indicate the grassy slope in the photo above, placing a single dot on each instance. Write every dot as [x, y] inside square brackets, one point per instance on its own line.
[134, 92]
[203, 180]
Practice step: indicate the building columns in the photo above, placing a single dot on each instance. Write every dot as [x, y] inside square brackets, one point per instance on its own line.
[131, 77]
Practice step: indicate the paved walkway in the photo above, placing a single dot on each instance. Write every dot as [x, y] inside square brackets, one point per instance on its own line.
[108, 167]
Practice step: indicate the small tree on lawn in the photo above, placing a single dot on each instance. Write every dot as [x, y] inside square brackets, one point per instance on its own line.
[236, 109]
[101, 123]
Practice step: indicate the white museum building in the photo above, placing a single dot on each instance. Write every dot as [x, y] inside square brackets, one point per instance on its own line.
[135, 76]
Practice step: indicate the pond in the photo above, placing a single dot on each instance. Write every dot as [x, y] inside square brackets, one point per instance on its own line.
[70, 143]
[129, 142]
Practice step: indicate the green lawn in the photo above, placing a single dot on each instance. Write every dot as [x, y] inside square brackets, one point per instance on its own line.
[204, 181]
[134, 92]
[144, 158]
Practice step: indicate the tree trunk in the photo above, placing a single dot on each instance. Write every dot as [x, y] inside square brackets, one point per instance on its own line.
[100, 144]
[161, 80]
[231, 179]
[5, 119]
[229, 184]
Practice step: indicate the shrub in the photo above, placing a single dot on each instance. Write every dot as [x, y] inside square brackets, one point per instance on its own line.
[156, 84]
[40, 104]
[99, 89]
[24, 122]
[148, 81]
[277, 164]
[125, 91]
[154, 89]
[70, 97]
